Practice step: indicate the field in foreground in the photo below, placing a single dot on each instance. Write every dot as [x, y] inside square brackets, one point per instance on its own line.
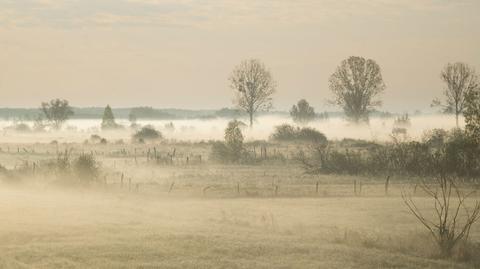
[52, 228]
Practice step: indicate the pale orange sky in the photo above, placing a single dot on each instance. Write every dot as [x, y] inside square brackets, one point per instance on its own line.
[179, 53]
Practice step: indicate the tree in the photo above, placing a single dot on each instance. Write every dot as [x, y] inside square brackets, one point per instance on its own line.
[254, 87]
[302, 112]
[460, 79]
[472, 114]
[452, 218]
[57, 112]
[355, 84]
[108, 120]
[234, 140]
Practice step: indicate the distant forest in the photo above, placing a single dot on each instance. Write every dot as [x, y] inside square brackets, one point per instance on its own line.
[124, 113]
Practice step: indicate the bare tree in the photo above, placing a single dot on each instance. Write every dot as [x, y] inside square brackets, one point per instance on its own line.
[355, 84]
[460, 79]
[254, 87]
[453, 217]
[56, 112]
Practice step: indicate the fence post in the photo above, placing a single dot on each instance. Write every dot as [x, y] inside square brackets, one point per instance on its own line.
[171, 187]
[387, 183]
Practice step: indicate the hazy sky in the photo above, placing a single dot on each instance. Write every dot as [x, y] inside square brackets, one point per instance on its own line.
[179, 53]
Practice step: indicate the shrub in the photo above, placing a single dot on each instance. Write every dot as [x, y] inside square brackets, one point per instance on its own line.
[219, 151]
[453, 217]
[457, 155]
[86, 167]
[232, 150]
[310, 134]
[435, 138]
[147, 133]
[94, 138]
[284, 132]
[287, 132]
[234, 140]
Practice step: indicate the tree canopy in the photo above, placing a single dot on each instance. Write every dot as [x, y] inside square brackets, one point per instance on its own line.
[254, 87]
[56, 112]
[302, 112]
[356, 83]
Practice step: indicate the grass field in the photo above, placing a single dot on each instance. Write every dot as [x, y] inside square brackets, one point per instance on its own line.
[85, 229]
[205, 215]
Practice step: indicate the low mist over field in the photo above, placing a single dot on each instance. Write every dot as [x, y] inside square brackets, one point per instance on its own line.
[335, 128]
[239, 134]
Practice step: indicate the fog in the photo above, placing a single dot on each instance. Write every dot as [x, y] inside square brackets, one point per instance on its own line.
[335, 128]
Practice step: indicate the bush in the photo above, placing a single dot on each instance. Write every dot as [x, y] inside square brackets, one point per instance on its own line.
[310, 134]
[232, 150]
[219, 151]
[287, 132]
[284, 132]
[456, 154]
[147, 133]
[435, 138]
[86, 168]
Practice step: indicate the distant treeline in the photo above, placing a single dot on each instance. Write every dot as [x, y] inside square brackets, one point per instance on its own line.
[149, 113]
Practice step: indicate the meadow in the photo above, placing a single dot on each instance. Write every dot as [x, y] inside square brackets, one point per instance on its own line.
[180, 209]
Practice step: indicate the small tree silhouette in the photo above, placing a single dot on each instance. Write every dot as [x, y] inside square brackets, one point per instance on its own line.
[108, 120]
[57, 111]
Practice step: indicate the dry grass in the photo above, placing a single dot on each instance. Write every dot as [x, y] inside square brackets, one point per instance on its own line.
[214, 216]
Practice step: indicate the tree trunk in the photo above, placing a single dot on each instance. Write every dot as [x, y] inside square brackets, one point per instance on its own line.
[251, 119]
[456, 118]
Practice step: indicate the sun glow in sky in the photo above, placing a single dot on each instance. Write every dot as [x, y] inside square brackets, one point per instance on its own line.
[179, 53]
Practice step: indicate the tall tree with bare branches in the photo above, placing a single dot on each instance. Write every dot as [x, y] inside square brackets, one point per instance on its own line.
[254, 86]
[460, 79]
[356, 83]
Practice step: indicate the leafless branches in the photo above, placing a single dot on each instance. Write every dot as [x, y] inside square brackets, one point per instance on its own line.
[453, 216]
[460, 79]
[254, 86]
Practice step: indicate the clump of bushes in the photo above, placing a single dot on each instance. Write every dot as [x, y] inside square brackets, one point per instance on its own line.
[86, 167]
[147, 133]
[83, 169]
[96, 139]
[455, 154]
[286, 132]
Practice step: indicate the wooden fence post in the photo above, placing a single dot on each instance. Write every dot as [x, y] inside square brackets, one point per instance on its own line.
[387, 183]
[355, 187]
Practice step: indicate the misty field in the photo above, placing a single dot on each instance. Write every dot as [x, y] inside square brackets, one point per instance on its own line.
[52, 229]
[207, 129]
[181, 210]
